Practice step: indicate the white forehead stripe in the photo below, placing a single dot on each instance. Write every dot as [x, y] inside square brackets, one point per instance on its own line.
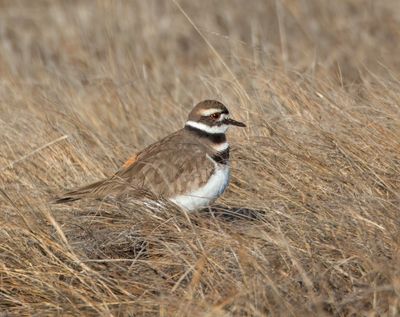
[223, 116]
[207, 112]
[203, 127]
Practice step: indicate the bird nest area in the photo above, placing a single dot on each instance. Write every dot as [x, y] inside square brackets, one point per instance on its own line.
[309, 225]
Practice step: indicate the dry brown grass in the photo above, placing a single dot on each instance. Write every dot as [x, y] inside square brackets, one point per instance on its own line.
[315, 185]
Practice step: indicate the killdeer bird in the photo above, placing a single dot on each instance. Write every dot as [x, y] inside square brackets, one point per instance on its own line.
[189, 167]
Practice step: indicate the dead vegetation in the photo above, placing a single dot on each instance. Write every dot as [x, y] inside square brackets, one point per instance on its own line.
[310, 223]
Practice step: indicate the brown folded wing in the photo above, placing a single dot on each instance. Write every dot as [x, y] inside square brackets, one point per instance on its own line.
[176, 165]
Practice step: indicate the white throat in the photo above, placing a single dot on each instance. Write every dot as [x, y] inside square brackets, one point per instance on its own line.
[203, 127]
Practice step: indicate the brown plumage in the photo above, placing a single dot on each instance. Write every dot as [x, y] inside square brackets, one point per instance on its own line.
[177, 164]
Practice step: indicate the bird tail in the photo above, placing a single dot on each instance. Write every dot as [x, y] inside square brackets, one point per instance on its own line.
[79, 193]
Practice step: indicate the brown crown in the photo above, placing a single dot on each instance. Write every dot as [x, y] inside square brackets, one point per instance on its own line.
[198, 111]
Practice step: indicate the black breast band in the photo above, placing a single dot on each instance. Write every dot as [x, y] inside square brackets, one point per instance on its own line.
[221, 157]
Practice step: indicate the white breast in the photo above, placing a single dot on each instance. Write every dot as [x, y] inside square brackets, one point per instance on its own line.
[206, 194]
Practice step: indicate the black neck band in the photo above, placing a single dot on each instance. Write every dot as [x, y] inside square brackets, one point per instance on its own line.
[216, 138]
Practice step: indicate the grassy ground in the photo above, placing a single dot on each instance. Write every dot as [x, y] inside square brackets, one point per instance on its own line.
[315, 184]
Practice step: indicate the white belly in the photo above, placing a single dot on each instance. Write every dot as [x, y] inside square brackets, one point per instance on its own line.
[205, 195]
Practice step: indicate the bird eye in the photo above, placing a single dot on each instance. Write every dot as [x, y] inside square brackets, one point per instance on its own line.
[215, 115]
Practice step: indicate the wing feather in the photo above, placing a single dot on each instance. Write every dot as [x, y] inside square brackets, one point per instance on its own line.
[166, 168]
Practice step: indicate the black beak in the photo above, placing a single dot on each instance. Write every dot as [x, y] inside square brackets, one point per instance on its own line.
[234, 122]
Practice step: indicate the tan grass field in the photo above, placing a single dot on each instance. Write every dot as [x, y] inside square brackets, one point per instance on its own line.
[310, 223]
